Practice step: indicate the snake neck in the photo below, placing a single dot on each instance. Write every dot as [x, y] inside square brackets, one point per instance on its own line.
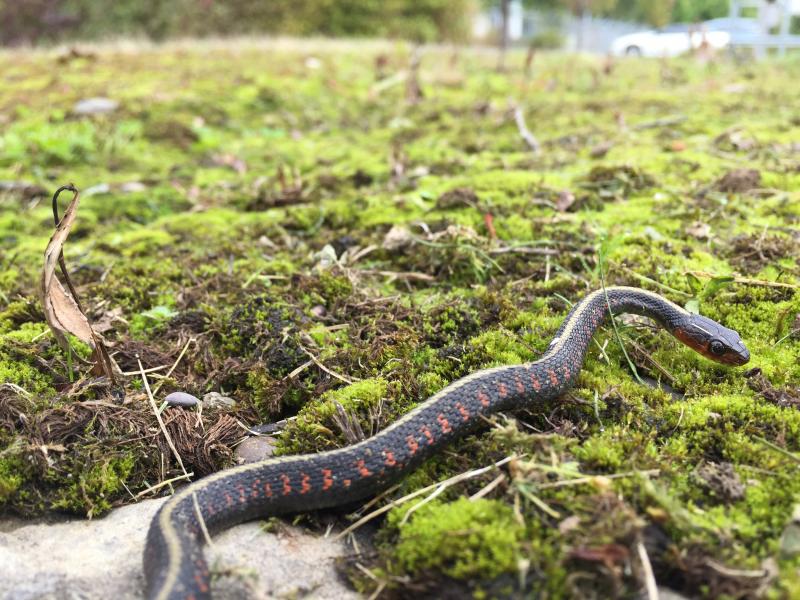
[571, 342]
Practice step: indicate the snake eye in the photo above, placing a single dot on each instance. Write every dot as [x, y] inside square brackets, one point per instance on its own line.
[716, 347]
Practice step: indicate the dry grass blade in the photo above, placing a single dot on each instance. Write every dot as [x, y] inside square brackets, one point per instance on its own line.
[442, 484]
[160, 420]
[647, 571]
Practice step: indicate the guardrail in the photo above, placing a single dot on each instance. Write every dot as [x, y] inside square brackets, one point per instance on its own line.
[765, 42]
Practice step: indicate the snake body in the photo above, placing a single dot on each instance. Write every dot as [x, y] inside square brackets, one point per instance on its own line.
[173, 560]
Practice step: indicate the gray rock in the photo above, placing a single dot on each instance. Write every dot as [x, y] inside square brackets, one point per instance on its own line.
[668, 594]
[255, 448]
[95, 106]
[181, 399]
[217, 400]
[102, 558]
[130, 187]
[96, 190]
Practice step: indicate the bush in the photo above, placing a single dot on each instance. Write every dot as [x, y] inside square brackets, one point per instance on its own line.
[550, 39]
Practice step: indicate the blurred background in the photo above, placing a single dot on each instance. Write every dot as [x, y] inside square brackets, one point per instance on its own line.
[586, 25]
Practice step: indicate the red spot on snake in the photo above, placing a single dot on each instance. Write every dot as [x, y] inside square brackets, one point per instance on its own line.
[424, 429]
[268, 490]
[363, 470]
[390, 461]
[346, 483]
[566, 371]
[444, 423]
[305, 486]
[201, 585]
[520, 386]
[412, 444]
[256, 484]
[228, 500]
[484, 399]
[327, 479]
[287, 488]
[464, 412]
[242, 494]
[553, 376]
[502, 390]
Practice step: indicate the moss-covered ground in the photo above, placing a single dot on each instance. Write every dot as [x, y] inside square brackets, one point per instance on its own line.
[295, 217]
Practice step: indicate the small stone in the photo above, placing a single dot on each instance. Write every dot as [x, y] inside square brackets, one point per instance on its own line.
[181, 399]
[95, 106]
[217, 400]
[130, 187]
[397, 238]
[97, 189]
[255, 448]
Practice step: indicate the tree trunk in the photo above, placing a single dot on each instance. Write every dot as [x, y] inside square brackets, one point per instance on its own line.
[505, 9]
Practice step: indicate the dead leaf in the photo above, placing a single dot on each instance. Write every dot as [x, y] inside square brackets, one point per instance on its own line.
[699, 230]
[607, 554]
[601, 149]
[565, 200]
[231, 161]
[569, 524]
[61, 309]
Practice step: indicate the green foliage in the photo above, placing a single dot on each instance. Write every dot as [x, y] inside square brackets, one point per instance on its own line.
[427, 20]
[692, 11]
[154, 318]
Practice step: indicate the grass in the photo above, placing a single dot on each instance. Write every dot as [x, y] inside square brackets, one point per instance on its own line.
[309, 225]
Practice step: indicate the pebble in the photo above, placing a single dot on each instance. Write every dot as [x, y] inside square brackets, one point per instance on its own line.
[181, 399]
[132, 186]
[255, 448]
[95, 106]
[217, 400]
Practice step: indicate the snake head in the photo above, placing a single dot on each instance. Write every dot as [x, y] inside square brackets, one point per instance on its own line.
[712, 340]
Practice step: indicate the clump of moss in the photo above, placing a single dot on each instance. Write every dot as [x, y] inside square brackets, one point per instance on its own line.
[462, 539]
[618, 181]
[267, 331]
[12, 476]
[315, 428]
[94, 485]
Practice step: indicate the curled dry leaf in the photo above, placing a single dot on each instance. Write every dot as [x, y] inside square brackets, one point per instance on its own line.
[61, 308]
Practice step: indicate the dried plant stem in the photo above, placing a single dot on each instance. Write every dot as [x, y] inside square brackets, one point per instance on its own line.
[160, 420]
[524, 132]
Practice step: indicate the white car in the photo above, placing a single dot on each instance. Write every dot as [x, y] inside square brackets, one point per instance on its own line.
[672, 40]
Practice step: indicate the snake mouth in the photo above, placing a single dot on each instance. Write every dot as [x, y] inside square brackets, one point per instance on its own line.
[738, 357]
[700, 340]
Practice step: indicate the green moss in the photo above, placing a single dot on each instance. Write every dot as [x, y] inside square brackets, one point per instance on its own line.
[461, 539]
[94, 485]
[151, 320]
[11, 476]
[314, 427]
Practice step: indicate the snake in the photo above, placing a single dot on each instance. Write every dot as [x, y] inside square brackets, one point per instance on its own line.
[173, 560]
